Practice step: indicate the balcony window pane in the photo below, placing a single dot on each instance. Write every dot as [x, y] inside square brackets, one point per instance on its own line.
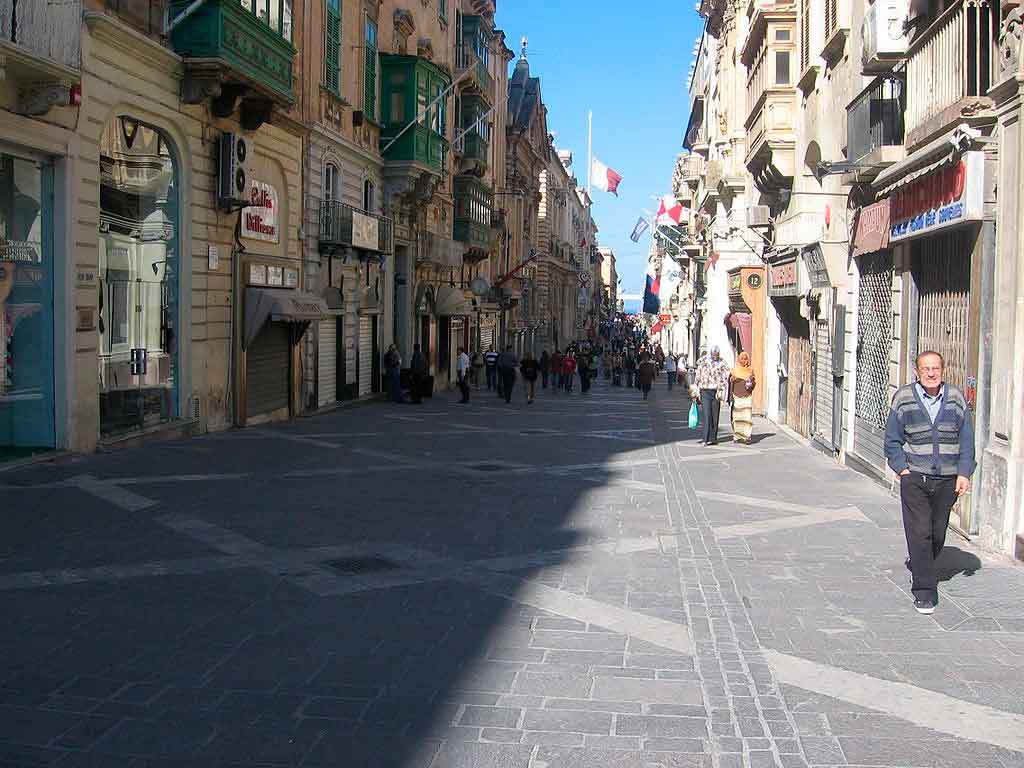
[782, 68]
[782, 34]
[398, 107]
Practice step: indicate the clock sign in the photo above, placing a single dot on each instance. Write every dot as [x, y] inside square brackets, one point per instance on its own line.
[754, 281]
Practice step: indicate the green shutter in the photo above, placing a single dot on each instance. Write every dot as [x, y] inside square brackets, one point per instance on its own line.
[370, 84]
[332, 47]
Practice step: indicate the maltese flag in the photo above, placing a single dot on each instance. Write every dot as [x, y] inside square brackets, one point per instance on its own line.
[670, 212]
[604, 178]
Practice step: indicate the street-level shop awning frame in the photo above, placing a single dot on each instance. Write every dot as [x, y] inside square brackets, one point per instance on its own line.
[283, 305]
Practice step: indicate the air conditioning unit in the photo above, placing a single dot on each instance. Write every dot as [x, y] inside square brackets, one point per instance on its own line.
[885, 41]
[235, 175]
[759, 216]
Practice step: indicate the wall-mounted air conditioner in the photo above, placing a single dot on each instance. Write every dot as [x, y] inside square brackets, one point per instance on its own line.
[759, 216]
[234, 176]
[885, 41]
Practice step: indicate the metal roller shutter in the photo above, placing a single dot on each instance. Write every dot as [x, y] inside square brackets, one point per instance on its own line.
[874, 349]
[823, 384]
[267, 370]
[486, 338]
[327, 362]
[365, 356]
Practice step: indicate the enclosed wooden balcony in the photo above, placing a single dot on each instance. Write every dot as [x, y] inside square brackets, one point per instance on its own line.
[412, 132]
[474, 203]
[950, 67]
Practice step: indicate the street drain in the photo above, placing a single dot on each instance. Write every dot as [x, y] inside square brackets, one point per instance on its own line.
[486, 467]
[358, 565]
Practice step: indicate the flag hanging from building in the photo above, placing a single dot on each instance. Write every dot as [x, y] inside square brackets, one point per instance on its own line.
[670, 212]
[604, 178]
[639, 229]
[652, 287]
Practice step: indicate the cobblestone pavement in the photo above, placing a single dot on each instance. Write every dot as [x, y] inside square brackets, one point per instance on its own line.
[572, 584]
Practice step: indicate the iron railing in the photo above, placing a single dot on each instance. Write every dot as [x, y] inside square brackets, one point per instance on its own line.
[875, 118]
[336, 226]
[468, 59]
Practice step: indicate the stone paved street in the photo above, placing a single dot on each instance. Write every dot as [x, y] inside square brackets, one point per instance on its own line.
[572, 584]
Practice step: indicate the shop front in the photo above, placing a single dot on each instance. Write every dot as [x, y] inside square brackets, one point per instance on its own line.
[27, 325]
[787, 287]
[941, 242]
[746, 323]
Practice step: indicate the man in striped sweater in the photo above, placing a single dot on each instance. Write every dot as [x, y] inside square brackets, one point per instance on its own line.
[929, 444]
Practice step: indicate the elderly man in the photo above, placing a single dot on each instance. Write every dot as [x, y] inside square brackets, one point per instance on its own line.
[712, 379]
[929, 444]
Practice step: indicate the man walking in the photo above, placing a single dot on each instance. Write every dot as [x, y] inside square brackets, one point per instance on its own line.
[929, 444]
[670, 369]
[491, 365]
[419, 372]
[712, 381]
[507, 364]
[462, 371]
[545, 365]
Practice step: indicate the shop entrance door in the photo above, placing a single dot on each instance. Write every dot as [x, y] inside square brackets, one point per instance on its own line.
[942, 275]
[783, 373]
[27, 421]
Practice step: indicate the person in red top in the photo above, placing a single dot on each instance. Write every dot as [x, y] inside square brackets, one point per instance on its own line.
[569, 370]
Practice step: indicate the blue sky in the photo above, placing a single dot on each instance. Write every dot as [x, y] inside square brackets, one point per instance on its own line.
[628, 63]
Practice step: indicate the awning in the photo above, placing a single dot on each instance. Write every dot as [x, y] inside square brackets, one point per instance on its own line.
[941, 151]
[743, 324]
[280, 305]
[452, 302]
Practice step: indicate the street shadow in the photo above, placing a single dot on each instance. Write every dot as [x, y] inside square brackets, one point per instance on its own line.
[756, 437]
[953, 561]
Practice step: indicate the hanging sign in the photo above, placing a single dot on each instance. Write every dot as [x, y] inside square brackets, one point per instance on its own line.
[944, 198]
[259, 218]
[365, 232]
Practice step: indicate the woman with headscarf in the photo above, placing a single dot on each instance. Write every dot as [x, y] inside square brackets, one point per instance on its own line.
[741, 387]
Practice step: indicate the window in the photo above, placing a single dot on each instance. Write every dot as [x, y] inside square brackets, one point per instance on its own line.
[276, 14]
[782, 68]
[368, 196]
[782, 35]
[442, 10]
[332, 182]
[370, 71]
[332, 46]
[805, 34]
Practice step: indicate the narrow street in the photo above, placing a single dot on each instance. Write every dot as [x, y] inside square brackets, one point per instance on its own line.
[571, 584]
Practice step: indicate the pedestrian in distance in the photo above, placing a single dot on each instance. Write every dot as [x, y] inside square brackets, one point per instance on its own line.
[741, 387]
[670, 370]
[556, 370]
[393, 373]
[529, 369]
[507, 364]
[491, 366]
[568, 371]
[418, 374]
[713, 383]
[583, 368]
[929, 444]
[630, 366]
[646, 374]
[545, 366]
[477, 361]
[462, 367]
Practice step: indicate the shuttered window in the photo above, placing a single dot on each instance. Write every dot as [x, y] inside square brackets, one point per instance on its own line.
[332, 46]
[805, 34]
[370, 72]
[831, 17]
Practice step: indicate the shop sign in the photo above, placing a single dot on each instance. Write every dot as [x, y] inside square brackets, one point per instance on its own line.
[754, 280]
[872, 233]
[291, 278]
[944, 198]
[258, 274]
[783, 279]
[275, 276]
[814, 259]
[21, 251]
[665, 319]
[259, 218]
[365, 233]
[735, 283]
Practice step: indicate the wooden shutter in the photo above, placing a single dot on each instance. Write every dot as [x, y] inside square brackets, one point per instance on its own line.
[370, 80]
[805, 35]
[332, 46]
[831, 17]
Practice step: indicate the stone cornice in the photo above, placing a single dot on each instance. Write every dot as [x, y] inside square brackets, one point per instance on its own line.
[117, 34]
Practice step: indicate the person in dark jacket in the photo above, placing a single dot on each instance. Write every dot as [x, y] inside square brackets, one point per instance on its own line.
[392, 372]
[929, 444]
[491, 366]
[419, 371]
[507, 364]
[545, 366]
[529, 369]
[646, 374]
[629, 365]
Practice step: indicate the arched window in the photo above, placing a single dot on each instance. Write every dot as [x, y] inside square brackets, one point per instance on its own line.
[332, 182]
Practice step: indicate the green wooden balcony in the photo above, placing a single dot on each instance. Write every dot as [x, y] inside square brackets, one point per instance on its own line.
[419, 144]
[478, 80]
[474, 203]
[477, 236]
[409, 89]
[228, 38]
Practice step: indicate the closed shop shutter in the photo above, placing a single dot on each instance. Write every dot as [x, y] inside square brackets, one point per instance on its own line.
[874, 349]
[365, 356]
[798, 409]
[327, 373]
[823, 388]
[266, 370]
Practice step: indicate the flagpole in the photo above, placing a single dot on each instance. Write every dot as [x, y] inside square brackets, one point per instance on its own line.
[590, 148]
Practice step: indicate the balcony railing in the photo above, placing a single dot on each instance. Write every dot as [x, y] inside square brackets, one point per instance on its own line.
[954, 60]
[345, 225]
[875, 118]
[46, 32]
[479, 78]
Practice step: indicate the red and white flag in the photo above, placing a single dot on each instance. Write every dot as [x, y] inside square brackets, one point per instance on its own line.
[670, 212]
[604, 178]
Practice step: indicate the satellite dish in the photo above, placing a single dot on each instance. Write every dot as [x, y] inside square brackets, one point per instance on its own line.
[479, 286]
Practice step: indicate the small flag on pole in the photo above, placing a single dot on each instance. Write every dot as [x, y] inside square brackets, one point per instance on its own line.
[652, 303]
[604, 178]
[639, 229]
[670, 212]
